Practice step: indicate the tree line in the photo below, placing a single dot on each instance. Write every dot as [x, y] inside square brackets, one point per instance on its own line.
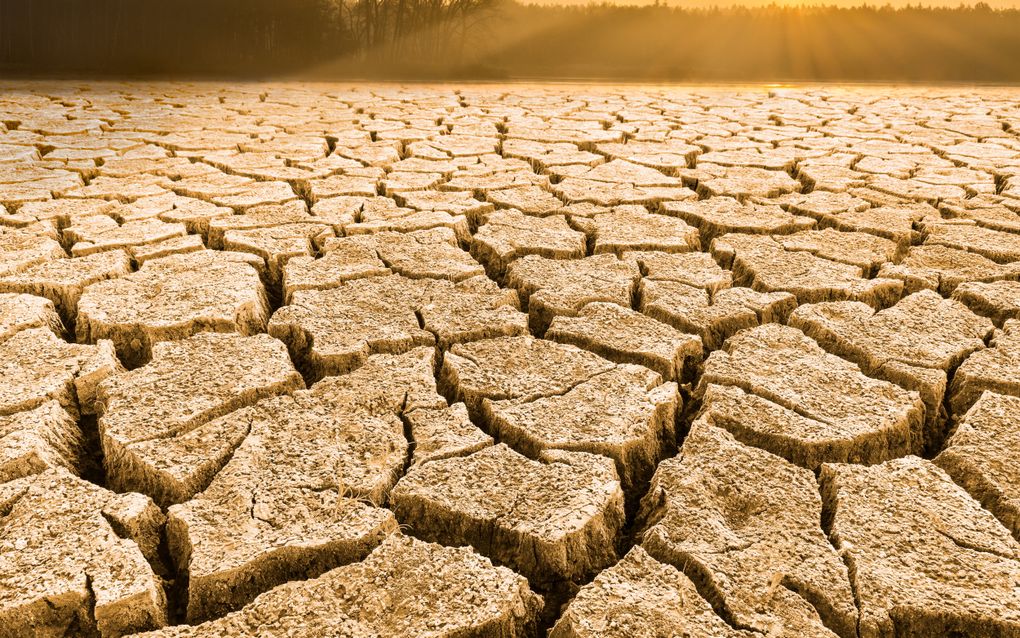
[226, 37]
[495, 39]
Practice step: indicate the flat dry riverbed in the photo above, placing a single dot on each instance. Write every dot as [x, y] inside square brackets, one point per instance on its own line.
[497, 360]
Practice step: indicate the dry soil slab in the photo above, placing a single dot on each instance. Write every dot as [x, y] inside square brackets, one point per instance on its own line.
[345, 261]
[984, 211]
[619, 171]
[640, 596]
[531, 200]
[22, 312]
[37, 439]
[544, 154]
[276, 245]
[122, 189]
[997, 300]
[697, 269]
[917, 343]
[1000, 247]
[625, 336]
[713, 316]
[941, 268]
[624, 414]
[159, 424]
[377, 219]
[927, 559]
[781, 391]
[552, 520]
[539, 395]
[63, 281]
[555, 287]
[285, 506]
[631, 228]
[667, 157]
[444, 432]
[516, 368]
[470, 310]
[865, 251]
[980, 456]
[333, 331]
[575, 190]
[294, 213]
[995, 369]
[899, 224]
[55, 213]
[745, 182]
[20, 250]
[173, 298]
[823, 204]
[765, 264]
[743, 524]
[404, 589]
[424, 254]
[453, 202]
[74, 559]
[510, 234]
[717, 216]
[100, 233]
[36, 366]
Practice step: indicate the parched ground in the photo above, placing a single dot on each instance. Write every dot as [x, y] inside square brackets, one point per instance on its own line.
[509, 361]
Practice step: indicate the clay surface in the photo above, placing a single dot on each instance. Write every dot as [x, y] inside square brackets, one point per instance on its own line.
[159, 424]
[711, 513]
[786, 394]
[508, 360]
[955, 572]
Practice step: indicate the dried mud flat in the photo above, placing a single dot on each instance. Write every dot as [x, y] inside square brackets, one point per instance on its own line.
[509, 361]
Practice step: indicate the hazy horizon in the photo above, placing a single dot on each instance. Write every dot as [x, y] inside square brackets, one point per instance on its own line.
[675, 40]
[710, 4]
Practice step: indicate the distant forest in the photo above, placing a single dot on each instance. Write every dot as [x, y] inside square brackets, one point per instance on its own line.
[499, 39]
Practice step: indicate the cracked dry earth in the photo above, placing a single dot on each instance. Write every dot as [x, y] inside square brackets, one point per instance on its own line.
[508, 361]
